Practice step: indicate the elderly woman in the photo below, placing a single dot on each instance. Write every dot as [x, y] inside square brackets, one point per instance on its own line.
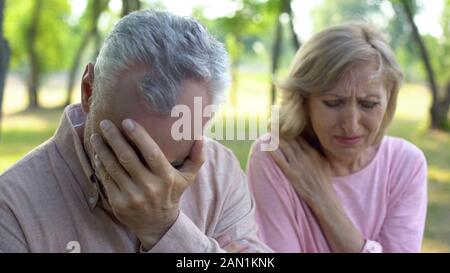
[337, 183]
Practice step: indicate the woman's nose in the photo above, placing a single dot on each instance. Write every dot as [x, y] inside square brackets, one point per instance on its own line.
[350, 120]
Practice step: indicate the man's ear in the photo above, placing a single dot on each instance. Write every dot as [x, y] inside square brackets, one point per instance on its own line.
[87, 87]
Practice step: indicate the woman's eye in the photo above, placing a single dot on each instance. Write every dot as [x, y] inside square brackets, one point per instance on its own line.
[332, 103]
[368, 104]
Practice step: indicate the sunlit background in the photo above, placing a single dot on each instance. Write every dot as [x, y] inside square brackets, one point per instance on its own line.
[52, 40]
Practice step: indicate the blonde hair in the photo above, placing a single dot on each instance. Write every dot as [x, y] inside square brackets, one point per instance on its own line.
[321, 62]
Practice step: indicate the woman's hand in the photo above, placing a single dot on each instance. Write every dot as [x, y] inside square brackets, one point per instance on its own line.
[306, 169]
[310, 175]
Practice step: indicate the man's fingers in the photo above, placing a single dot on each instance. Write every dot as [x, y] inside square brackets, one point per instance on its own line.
[195, 160]
[110, 186]
[108, 160]
[227, 243]
[237, 246]
[121, 148]
[150, 151]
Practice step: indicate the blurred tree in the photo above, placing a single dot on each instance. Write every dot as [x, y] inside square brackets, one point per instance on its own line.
[129, 6]
[288, 9]
[440, 62]
[440, 101]
[4, 59]
[332, 12]
[284, 8]
[235, 27]
[403, 45]
[30, 40]
[251, 18]
[91, 16]
[40, 37]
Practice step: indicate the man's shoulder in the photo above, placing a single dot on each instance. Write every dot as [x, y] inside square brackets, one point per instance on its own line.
[221, 166]
[217, 152]
[25, 173]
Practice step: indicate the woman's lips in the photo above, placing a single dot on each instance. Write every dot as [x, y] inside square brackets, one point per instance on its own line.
[348, 140]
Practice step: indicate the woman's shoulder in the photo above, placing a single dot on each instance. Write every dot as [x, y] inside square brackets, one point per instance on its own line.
[399, 148]
[403, 158]
[264, 144]
[406, 165]
[262, 171]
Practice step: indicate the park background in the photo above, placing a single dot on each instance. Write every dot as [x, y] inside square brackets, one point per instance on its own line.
[45, 45]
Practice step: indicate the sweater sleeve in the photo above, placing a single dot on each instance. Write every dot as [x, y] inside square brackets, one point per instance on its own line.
[404, 225]
[237, 221]
[12, 238]
[275, 211]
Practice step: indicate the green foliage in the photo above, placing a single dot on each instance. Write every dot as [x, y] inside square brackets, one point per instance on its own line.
[440, 60]
[235, 48]
[442, 56]
[406, 49]
[55, 37]
[333, 12]
[404, 46]
[254, 21]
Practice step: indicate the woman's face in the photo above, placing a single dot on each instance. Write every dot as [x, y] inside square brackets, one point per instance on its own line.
[347, 119]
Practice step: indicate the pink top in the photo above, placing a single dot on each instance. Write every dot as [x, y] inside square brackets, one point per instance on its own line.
[386, 201]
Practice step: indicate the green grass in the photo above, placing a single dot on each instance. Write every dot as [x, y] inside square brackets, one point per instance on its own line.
[21, 131]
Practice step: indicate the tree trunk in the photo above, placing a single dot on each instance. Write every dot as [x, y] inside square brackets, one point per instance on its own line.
[4, 59]
[288, 9]
[130, 6]
[75, 65]
[33, 79]
[275, 57]
[234, 81]
[276, 50]
[438, 120]
[97, 8]
[442, 110]
[233, 43]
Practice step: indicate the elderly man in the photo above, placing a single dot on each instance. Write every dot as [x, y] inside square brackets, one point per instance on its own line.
[112, 178]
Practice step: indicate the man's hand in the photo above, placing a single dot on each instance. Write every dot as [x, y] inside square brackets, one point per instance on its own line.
[230, 246]
[145, 198]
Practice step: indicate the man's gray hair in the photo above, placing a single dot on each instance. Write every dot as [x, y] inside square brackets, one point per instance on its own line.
[174, 49]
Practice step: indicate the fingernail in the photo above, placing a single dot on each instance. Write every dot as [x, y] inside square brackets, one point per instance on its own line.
[96, 160]
[128, 124]
[93, 139]
[104, 124]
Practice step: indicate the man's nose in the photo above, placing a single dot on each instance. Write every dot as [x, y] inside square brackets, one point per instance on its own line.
[350, 119]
